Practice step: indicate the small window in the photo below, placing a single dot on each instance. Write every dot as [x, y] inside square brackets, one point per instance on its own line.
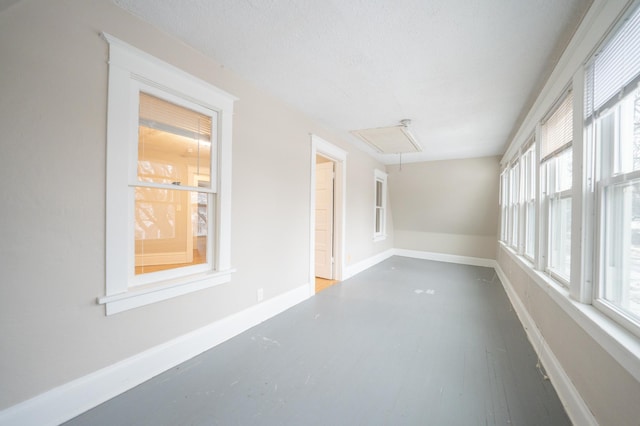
[168, 180]
[380, 213]
[529, 201]
[504, 205]
[514, 205]
[557, 165]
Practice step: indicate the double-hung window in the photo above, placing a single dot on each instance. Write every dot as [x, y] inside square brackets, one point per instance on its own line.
[380, 214]
[168, 181]
[613, 109]
[504, 206]
[514, 204]
[556, 164]
[529, 166]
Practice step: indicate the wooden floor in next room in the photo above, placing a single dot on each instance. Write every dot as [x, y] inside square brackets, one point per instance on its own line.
[406, 342]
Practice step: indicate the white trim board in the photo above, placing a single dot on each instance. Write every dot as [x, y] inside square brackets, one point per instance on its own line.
[73, 398]
[443, 257]
[367, 263]
[573, 403]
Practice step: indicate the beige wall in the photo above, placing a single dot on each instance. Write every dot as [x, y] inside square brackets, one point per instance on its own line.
[609, 390]
[53, 82]
[448, 207]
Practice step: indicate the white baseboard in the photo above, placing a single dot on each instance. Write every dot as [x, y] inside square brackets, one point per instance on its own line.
[443, 257]
[356, 268]
[576, 408]
[71, 399]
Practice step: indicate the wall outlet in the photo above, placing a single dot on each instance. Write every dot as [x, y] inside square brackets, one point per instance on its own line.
[260, 294]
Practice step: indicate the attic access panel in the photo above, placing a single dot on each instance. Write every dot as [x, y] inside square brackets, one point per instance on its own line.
[389, 140]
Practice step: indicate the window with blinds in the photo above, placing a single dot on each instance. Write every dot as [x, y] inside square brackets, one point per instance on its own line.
[557, 130]
[168, 209]
[613, 111]
[614, 70]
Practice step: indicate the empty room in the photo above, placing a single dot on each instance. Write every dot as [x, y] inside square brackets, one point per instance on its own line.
[288, 212]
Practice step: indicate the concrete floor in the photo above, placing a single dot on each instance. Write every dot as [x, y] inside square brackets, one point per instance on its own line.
[407, 342]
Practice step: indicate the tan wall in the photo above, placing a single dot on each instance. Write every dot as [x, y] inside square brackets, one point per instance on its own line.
[610, 391]
[446, 207]
[53, 82]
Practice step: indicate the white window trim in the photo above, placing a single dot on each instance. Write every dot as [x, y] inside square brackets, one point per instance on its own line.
[380, 176]
[129, 66]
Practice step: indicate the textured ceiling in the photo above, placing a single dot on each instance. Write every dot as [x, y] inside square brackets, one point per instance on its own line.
[462, 71]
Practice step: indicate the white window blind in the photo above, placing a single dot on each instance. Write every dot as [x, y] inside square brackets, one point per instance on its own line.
[613, 71]
[557, 130]
[159, 114]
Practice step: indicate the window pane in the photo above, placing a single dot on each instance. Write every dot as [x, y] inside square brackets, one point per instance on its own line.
[560, 237]
[627, 152]
[622, 247]
[531, 229]
[378, 220]
[174, 144]
[564, 170]
[171, 229]
[378, 193]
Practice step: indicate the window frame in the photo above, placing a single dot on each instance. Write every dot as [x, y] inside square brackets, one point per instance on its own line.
[607, 179]
[379, 206]
[552, 195]
[514, 195]
[529, 200]
[129, 70]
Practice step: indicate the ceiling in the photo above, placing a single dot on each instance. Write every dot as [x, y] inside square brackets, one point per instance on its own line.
[463, 71]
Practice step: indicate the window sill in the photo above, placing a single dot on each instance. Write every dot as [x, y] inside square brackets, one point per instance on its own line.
[617, 341]
[377, 238]
[146, 295]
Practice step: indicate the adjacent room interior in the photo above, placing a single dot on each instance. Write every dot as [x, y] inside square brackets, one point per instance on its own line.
[418, 212]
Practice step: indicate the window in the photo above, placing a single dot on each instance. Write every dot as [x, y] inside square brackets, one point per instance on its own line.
[514, 205]
[380, 214]
[504, 205]
[168, 181]
[529, 166]
[557, 162]
[613, 109]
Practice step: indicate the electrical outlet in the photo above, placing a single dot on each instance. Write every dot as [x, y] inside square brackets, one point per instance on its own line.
[260, 294]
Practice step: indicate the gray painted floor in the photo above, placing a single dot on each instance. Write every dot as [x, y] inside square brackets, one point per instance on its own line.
[408, 341]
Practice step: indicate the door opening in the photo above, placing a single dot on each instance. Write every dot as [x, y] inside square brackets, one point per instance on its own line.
[324, 218]
[327, 214]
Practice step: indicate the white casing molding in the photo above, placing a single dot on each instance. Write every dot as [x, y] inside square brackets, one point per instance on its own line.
[71, 399]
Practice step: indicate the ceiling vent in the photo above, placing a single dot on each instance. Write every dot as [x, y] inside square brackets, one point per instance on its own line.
[390, 140]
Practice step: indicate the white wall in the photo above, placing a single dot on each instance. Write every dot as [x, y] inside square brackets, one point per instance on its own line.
[448, 207]
[53, 81]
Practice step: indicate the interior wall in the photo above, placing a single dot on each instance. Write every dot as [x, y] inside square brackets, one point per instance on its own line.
[52, 172]
[604, 382]
[608, 389]
[359, 226]
[448, 207]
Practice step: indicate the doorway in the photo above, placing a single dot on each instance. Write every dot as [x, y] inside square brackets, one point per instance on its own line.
[324, 217]
[328, 165]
